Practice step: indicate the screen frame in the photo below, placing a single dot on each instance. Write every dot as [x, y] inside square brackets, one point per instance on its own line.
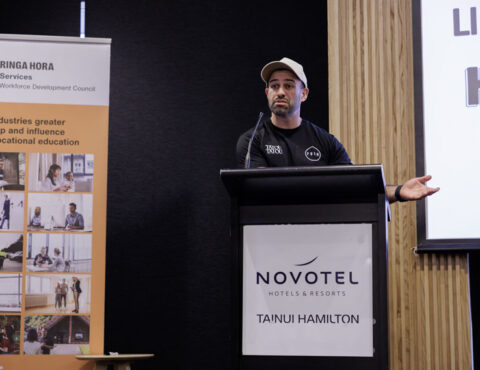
[424, 244]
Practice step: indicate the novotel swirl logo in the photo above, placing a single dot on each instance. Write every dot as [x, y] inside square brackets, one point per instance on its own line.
[310, 277]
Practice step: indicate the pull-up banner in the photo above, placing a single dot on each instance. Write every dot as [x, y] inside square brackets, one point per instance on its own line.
[54, 95]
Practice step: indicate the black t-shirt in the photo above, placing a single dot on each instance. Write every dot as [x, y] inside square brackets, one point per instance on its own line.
[306, 145]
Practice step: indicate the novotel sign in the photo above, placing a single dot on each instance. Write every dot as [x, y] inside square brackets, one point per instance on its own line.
[310, 277]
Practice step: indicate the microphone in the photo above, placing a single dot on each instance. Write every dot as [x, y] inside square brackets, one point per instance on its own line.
[247, 157]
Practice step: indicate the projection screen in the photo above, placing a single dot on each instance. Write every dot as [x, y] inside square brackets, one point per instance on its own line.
[447, 121]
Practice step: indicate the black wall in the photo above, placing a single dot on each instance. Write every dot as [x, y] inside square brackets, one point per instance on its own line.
[184, 85]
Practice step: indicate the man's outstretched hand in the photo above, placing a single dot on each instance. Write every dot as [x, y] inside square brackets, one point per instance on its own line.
[413, 189]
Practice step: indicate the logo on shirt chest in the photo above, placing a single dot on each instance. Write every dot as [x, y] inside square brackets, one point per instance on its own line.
[273, 149]
[313, 154]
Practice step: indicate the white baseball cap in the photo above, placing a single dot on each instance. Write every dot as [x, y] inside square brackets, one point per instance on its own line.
[284, 63]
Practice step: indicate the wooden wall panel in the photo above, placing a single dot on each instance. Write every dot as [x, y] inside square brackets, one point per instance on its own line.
[371, 112]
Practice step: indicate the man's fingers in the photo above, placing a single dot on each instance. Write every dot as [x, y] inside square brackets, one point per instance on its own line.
[433, 190]
[424, 178]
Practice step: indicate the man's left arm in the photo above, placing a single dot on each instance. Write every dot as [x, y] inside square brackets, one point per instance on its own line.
[413, 189]
[81, 224]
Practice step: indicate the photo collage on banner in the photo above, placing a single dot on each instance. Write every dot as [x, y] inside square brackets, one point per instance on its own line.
[54, 212]
[53, 194]
[12, 211]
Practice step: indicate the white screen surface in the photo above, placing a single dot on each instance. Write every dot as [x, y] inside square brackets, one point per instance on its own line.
[451, 45]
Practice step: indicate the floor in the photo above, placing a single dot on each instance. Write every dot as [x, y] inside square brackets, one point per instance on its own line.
[50, 309]
[66, 349]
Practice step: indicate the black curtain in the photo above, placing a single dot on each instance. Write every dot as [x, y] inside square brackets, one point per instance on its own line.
[185, 83]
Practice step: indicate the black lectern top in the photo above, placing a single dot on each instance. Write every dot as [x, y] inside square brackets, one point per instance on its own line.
[309, 185]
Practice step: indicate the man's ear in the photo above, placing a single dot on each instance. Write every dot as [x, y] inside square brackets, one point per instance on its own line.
[304, 96]
[266, 91]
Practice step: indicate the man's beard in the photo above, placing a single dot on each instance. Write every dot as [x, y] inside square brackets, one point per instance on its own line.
[280, 111]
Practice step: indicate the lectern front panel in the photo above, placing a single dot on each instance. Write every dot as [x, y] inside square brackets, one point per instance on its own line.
[307, 290]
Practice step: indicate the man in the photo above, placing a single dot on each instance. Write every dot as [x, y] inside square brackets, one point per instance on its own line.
[10, 328]
[47, 343]
[74, 220]
[76, 293]
[6, 212]
[42, 259]
[37, 217]
[288, 140]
